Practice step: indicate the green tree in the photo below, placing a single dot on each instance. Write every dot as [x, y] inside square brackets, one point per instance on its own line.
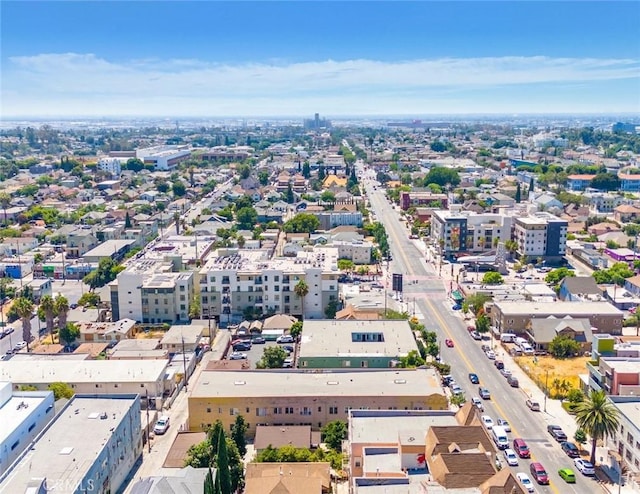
[290, 197]
[61, 390]
[89, 299]
[209, 485]
[476, 302]
[222, 464]
[247, 218]
[442, 176]
[301, 289]
[296, 329]
[263, 177]
[162, 187]
[239, 433]
[127, 221]
[195, 309]
[244, 171]
[272, 358]
[598, 417]
[178, 188]
[518, 193]
[457, 399]
[302, 223]
[411, 360]
[345, 265]
[24, 309]
[605, 181]
[563, 347]
[483, 323]
[438, 147]
[5, 202]
[69, 333]
[48, 306]
[62, 309]
[328, 196]
[333, 433]
[135, 165]
[331, 309]
[492, 278]
[199, 455]
[306, 170]
[580, 436]
[106, 272]
[555, 276]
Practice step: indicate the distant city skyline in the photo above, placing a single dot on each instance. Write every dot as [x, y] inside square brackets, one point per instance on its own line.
[102, 59]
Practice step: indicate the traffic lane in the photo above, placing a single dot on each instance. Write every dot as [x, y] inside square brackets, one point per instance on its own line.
[506, 402]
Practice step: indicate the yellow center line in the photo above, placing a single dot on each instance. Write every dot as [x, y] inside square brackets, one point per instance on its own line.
[470, 368]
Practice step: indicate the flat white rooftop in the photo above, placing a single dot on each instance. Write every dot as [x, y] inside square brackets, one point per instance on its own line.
[71, 444]
[390, 426]
[332, 338]
[82, 371]
[557, 308]
[17, 409]
[280, 383]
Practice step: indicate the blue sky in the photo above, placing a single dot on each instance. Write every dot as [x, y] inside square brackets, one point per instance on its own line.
[337, 58]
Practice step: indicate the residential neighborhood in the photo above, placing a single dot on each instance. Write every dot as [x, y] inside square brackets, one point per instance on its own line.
[365, 298]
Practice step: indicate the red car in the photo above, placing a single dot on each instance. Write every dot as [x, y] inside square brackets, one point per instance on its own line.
[449, 343]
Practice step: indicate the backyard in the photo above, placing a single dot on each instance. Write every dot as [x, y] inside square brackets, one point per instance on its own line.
[562, 373]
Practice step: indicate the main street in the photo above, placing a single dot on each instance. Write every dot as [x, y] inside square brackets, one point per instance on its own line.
[422, 284]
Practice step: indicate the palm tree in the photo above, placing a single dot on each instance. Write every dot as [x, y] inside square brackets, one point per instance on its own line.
[24, 309]
[301, 290]
[598, 417]
[62, 309]
[5, 200]
[48, 306]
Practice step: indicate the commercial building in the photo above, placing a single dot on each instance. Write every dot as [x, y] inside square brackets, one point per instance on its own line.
[541, 236]
[97, 377]
[332, 219]
[110, 249]
[357, 251]
[515, 317]
[626, 441]
[464, 231]
[163, 157]
[226, 154]
[91, 447]
[415, 198]
[332, 344]
[113, 166]
[617, 376]
[579, 183]
[234, 280]
[629, 182]
[106, 332]
[23, 415]
[293, 397]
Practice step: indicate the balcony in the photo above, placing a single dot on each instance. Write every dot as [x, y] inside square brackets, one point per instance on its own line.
[258, 281]
[258, 300]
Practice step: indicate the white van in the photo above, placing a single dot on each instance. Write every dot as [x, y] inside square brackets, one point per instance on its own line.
[507, 337]
[521, 341]
[527, 349]
[499, 435]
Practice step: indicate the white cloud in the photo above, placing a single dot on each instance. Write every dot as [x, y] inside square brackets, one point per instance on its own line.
[83, 84]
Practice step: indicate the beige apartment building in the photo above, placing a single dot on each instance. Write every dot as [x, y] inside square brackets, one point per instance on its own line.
[293, 397]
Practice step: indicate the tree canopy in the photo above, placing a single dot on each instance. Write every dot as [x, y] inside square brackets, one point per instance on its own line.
[272, 358]
[302, 223]
[563, 347]
[442, 176]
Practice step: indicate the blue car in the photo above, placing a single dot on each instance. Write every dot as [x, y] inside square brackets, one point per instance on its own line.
[457, 307]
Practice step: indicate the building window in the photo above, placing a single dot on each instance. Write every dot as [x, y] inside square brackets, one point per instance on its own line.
[333, 410]
[208, 410]
[261, 412]
[277, 411]
[288, 410]
[319, 409]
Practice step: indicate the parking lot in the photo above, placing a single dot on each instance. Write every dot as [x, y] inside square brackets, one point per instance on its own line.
[255, 353]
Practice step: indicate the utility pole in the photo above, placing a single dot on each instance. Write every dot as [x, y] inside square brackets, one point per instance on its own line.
[148, 429]
[184, 364]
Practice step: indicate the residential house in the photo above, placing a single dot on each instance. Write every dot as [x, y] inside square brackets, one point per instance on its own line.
[80, 241]
[541, 332]
[626, 213]
[579, 289]
[111, 332]
[282, 478]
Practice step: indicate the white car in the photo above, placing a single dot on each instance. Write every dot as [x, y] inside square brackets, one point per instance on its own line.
[20, 345]
[524, 479]
[504, 424]
[487, 421]
[477, 402]
[584, 467]
[237, 356]
[491, 355]
[284, 339]
[511, 457]
[162, 425]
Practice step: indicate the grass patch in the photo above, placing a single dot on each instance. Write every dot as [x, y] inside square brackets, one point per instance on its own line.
[560, 371]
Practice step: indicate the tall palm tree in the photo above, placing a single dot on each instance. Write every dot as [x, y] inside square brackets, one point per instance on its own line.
[598, 417]
[301, 290]
[48, 306]
[5, 201]
[24, 309]
[62, 309]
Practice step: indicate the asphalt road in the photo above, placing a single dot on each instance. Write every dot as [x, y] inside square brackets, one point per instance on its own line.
[432, 302]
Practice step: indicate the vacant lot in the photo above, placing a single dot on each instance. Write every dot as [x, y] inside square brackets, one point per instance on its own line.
[562, 374]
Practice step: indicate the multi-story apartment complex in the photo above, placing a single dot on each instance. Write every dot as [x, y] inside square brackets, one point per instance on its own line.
[423, 198]
[358, 251]
[90, 447]
[629, 182]
[113, 166]
[578, 183]
[541, 236]
[603, 202]
[619, 376]
[276, 397]
[150, 291]
[626, 440]
[23, 415]
[332, 219]
[464, 231]
[234, 280]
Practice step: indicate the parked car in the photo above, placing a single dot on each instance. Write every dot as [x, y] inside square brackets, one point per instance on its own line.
[288, 363]
[487, 421]
[570, 449]
[474, 378]
[477, 402]
[456, 307]
[162, 425]
[242, 346]
[284, 339]
[491, 355]
[449, 343]
[19, 346]
[258, 340]
[475, 335]
[567, 475]
[511, 457]
[524, 479]
[539, 473]
[533, 405]
[504, 424]
[513, 382]
[585, 467]
[237, 356]
[557, 433]
[520, 447]
[505, 372]
[484, 393]
[288, 348]
[456, 389]
[499, 364]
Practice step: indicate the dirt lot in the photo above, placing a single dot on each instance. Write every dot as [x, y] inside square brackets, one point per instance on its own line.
[560, 371]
